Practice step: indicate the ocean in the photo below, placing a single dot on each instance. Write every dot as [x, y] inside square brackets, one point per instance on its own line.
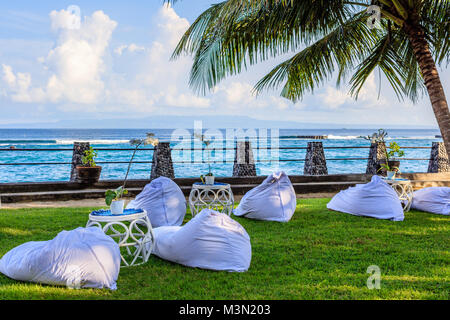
[57, 139]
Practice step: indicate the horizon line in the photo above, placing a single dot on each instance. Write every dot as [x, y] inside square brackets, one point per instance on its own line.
[319, 128]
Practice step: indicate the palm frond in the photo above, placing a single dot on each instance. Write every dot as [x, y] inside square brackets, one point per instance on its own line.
[228, 37]
[436, 21]
[386, 59]
[344, 46]
[330, 35]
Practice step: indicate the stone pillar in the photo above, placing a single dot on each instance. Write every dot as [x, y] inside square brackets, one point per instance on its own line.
[438, 159]
[162, 165]
[78, 152]
[377, 155]
[315, 162]
[244, 163]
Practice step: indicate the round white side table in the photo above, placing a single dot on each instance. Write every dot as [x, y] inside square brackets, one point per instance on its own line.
[404, 190]
[128, 230]
[217, 196]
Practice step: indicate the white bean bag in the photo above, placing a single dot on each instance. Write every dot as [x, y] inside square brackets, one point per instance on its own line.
[274, 200]
[81, 258]
[164, 202]
[433, 199]
[375, 199]
[211, 240]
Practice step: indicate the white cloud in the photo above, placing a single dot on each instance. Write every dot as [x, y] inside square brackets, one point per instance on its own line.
[187, 100]
[119, 50]
[8, 76]
[77, 61]
[237, 92]
[18, 86]
[334, 98]
[159, 81]
[79, 73]
[130, 48]
[281, 103]
[239, 95]
[64, 20]
[171, 26]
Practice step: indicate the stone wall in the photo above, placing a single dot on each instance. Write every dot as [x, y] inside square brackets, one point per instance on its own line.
[377, 155]
[244, 163]
[78, 152]
[315, 162]
[438, 159]
[162, 165]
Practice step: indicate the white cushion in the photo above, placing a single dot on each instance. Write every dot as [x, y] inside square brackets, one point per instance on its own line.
[433, 199]
[81, 258]
[164, 202]
[375, 199]
[274, 199]
[211, 240]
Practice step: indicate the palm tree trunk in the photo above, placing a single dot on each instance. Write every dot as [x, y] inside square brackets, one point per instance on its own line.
[432, 81]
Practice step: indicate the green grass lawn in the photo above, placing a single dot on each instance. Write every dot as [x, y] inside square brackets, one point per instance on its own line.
[319, 254]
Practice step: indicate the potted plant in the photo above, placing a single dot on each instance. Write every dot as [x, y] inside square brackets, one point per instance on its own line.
[113, 198]
[392, 163]
[88, 172]
[209, 177]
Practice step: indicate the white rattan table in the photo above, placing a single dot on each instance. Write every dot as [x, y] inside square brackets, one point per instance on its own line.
[404, 190]
[132, 231]
[217, 196]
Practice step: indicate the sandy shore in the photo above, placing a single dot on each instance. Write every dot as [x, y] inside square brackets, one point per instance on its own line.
[101, 202]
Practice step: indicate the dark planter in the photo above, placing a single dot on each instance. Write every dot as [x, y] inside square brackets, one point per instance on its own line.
[88, 175]
[394, 164]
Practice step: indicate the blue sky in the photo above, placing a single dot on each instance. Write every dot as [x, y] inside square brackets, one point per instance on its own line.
[116, 65]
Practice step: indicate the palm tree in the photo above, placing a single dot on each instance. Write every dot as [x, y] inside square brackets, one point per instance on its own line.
[326, 36]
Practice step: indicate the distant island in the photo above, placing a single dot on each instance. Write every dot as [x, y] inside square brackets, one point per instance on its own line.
[216, 121]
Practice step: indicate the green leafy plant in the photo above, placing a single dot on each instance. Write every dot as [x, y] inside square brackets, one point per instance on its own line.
[88, 159]
[394, 151]
[117, 194]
